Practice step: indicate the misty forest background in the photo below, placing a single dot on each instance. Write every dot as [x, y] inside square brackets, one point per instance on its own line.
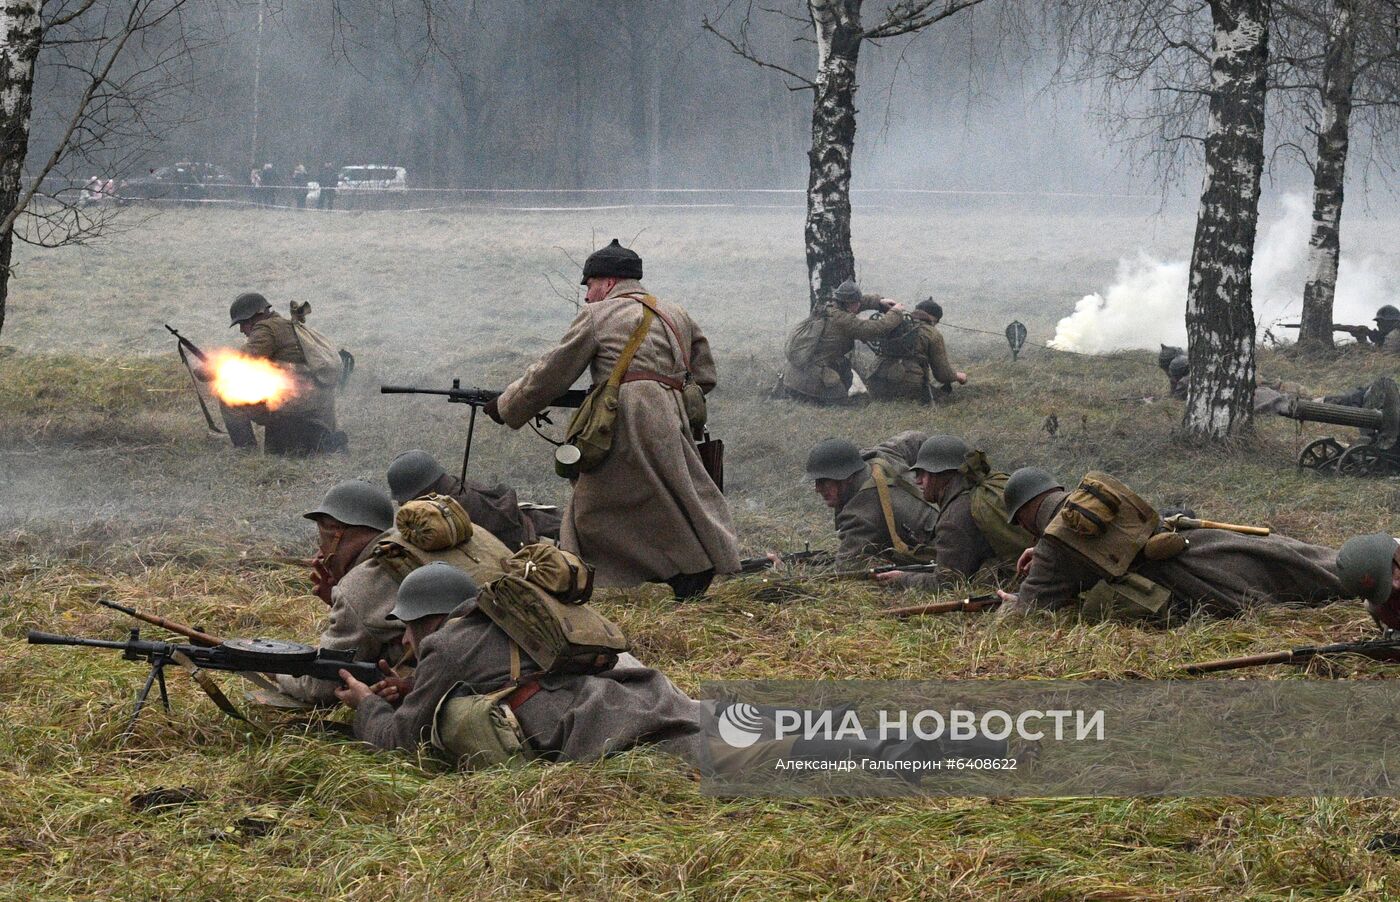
[598, 94]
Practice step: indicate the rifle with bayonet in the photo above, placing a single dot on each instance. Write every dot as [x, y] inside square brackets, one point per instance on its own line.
[187, 349]
[477, 398]
[232, 655]
[970, 605]
[1383, 649]
[806, 556]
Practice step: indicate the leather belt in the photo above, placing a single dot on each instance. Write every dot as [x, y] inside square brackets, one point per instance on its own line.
[640, 375]
[521, 695]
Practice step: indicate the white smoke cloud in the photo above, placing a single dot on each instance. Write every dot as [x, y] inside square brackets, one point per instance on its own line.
[1146, 304]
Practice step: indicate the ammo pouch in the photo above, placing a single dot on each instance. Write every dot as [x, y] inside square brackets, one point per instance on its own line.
[559, 636]
[434, 523]
[989, 507]
[1106, 522]
[1129, 597]
[478, 731]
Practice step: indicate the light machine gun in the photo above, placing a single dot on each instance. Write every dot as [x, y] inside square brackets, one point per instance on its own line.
[233, 655]
[477, 398]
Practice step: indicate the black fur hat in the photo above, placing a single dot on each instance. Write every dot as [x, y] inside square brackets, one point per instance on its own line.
[613, 260]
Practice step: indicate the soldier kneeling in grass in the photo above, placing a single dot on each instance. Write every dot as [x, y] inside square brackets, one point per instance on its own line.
[1105, 549]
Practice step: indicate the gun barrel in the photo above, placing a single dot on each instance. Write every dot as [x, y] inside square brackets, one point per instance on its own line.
[197, 636]
[411, 390]
[38, 637]
[970, 605]
[1334, 414]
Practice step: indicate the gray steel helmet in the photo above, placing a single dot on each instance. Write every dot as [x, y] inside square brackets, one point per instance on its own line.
[834, 458]
[1024, 485]
[1388, 313]
[356, 503]
[411, 473]
[435, 588]
[1363, 565]
[940, 453]
[1180, 366]
[246, 306]
[847, 292]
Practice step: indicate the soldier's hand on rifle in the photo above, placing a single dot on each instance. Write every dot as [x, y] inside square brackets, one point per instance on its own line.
[1023, 563]
[393, 688]
[1007, 597]
[890, 578]
[353, 692]
[493, 410]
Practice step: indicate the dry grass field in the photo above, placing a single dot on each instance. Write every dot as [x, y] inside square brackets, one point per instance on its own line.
[110, 488]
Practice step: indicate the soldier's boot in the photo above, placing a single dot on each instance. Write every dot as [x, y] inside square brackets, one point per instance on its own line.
[239, 427]
[688, 586]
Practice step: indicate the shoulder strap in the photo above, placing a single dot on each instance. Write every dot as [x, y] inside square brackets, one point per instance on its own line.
[634, 342]
[649, 301]
[882, 489]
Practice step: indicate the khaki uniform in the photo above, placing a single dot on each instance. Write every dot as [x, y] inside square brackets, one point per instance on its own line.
[861, 525]
[827, 375]
[650, 512]
[361, 602]
[959, 544]
[1221, 573]
[572, 717]
[303, 425]
[912, 375]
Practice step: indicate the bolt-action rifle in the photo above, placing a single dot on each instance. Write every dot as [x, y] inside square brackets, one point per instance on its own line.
[1360, 333]
[477, 398]
[970, 605]
[187, 349]
[233, 655]
[1383, 649]
[807, 555]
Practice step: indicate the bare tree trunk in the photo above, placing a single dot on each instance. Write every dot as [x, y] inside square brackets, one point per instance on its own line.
[20, 34]
[1329, 177]
[1219, 302]
[830, 260]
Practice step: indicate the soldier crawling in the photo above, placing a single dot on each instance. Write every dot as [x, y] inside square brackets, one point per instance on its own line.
[1102, 548]
[880, 516]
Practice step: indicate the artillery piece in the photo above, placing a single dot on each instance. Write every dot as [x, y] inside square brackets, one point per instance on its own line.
[1375, 453]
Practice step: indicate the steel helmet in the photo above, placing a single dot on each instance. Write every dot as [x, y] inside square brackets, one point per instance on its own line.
[246, 306]
[435, 588]
[356, 503]
[1364, 566]
[834, 458]
[847, 292]
[412, 473]
[940, 453]
[1024, 485]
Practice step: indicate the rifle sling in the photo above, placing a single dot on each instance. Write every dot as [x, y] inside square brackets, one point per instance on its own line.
[206, 682]
[203, 408]
[882, 489]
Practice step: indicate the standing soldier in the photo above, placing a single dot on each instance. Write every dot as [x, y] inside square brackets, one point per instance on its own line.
[913, 357]
[819, 349]
[305, 422]
[414, 474]
[649, 512]
[880, 517]
[974, 530]
[1101, 548]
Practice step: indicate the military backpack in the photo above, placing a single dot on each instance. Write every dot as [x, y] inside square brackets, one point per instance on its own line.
[989, 507]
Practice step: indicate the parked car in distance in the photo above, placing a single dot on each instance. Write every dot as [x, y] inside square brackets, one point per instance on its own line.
[180, 181]
[372, 178]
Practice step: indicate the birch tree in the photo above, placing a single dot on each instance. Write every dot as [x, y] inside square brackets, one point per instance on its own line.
[118, 58]
[836, 30]
[1340, 62]
[1184, 81]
